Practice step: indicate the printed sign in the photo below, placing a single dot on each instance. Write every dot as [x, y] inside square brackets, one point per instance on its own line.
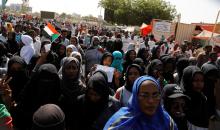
[162, 26]
[47, 15]
[109, 71]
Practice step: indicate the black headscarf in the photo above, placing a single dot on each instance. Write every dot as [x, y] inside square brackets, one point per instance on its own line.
[3, 57]
[151, 67]
[12, 45]
[127, 61]
[48, 117]
[141, 55]
[91, 110]
[52, 58]
[168, 75]
[128, 85]
[181, 64]
[154, 52]
[117, 46]
[197, 113]
[211, 74]
[140, 62]
[58, 51]
[43, 88]
[105, 55]
[99, 83]
[3, 50]
[45, 85]
[71, 88]
[19, 77]
[187, 78]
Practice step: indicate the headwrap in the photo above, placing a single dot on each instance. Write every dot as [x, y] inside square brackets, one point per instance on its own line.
[27, 51]
[105, 55]
[72, 47]
[71, 87]
[49, 117]
[131, 46]
[131, 117]
[117, 61]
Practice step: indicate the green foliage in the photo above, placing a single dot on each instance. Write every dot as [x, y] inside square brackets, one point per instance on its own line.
[135, 12]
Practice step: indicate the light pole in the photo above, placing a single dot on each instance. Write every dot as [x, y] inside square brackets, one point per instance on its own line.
[214, 26]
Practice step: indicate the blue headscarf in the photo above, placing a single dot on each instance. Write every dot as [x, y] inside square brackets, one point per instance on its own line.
[131, 117]
[117, 61]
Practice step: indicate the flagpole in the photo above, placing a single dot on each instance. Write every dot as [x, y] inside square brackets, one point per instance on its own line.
[214, 26]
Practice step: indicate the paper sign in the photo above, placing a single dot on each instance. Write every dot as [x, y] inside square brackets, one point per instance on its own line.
[109, 71]
[162, 26]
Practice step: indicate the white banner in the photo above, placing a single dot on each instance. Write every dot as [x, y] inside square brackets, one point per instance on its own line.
[162, 26]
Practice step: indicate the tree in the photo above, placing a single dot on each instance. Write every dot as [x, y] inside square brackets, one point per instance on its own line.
[63, 15]
[135, 12]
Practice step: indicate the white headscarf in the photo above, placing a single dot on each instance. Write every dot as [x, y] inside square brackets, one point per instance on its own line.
[72, 47]
[93, 38]
[27, 51]
[131, 46]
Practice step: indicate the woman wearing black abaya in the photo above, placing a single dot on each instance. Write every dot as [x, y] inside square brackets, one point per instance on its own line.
[3, 60]
[193, 83]
[181, 64]
[43, 88]
[12, 45]
[155, 69]
[17, 70]
[95, 107]
[71, 87]
[155, 52]
[144, 54]
[211, 74]
[168, 67]
[129, 58]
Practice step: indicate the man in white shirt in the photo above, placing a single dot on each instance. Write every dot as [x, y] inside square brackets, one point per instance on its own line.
[125, 40]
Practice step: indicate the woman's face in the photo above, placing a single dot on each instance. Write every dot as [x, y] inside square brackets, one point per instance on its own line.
[107, 61]
[69, 51]
[146, 53]
[16, 67]
[73, 41]
[71, 70]
[157, 71]
[198, 82]
[158, 52]
[62, 50]
[148, 97]
[133, 74]
[132, 55]
[96, 42]
[93, 96]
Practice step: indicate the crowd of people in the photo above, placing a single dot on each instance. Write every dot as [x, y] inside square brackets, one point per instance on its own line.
[54, 84]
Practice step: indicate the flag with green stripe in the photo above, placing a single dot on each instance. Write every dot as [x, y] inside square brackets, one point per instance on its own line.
[51, 31]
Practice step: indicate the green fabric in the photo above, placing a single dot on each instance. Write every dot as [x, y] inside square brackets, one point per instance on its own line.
[165, 82]
[3, 111]
[54, 37]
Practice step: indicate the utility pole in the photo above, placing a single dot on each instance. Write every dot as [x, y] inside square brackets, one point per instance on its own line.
[214, 26]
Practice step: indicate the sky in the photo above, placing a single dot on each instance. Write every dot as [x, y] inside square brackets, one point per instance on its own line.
[192, 11]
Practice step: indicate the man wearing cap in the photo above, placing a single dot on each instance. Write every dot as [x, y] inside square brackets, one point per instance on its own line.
[174, 102]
